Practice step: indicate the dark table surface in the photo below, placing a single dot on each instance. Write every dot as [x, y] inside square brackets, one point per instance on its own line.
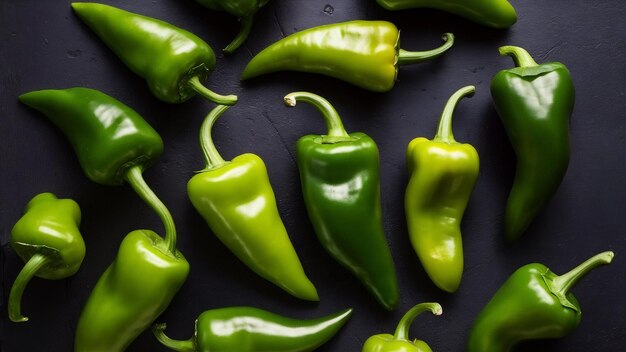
[44, 45]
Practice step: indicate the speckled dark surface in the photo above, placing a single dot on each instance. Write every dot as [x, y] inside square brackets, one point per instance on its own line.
[44, 45]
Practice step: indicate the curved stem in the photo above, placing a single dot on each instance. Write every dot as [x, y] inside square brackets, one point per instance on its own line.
[177, 345]
[413, 57]
[134, 177]
[195, 83]
[564, 283]
[212, 157]
[444, 132]
[521, 57]
[33, 265]
[402, 331]
[336, 131]
[244, 31]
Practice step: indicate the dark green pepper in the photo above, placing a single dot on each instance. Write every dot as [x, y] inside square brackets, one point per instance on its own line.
[340, 177]
[247, 329]
[172, 60]
[535, 103]
[364, 53]
[534, 303]
[47, 238]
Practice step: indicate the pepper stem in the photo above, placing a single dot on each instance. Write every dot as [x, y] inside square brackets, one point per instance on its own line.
[244, 31]
[196, 85]
[521, 57]
[134, 177]
[402, 331]
[177, 345]
[33, 265]
[413, 57]
[336, 131]
[561, 285]
[444, 132]
[212, 157]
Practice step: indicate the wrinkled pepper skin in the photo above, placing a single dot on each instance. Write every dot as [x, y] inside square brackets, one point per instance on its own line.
[340, 178]
[48, 240]
[534, 103]
[333, 49]
[534, 303]
[248, 329]
[443, 173]
[491, 13]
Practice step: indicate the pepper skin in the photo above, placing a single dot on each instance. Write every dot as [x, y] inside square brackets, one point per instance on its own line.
[340, 177]
[171, 60]
[535, 103]
[443, 174]
[400, 342]
[47, 239]
[534, 303]
[333, 49]
[492, 13]
[236, 200]
[247, 329]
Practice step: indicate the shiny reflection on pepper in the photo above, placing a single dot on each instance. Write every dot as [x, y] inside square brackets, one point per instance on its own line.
[538, 93]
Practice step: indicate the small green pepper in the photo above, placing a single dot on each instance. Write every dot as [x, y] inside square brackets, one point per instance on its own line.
[48, 240]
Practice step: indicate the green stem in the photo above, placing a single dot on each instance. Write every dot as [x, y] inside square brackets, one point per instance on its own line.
[402, 331]
[33, 265]
[177, 345]
[521, 57]
[336, 131]
[413, 57]
[196, 85]
[444, 132]
[244, 32]
[564, 283]
[134, 177]
[212, 157]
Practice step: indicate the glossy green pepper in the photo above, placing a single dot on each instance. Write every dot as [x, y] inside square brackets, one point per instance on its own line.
[247, 329]
[172, 60]
[47, 239]
[236, 200]
[534, 303]
[400, 342]
[535, 103]
[443, 174]
[340, 177]
[334, 49]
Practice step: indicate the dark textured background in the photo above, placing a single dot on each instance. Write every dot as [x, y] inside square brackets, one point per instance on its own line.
[44, 45]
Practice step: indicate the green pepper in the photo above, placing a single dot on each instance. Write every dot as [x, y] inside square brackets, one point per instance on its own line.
[172, 60]
[247, 329]
[236, 200]
[535, 103]
[443, 174]
[340, 177]
[334, 49]
[492, 13]
[47, 238]
[244, 10]
[400, 342]
[534, 303]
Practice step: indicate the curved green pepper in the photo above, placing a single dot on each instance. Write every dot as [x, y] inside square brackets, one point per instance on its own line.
[400, 342]
[172, 60]
[443, 174]
[47, 239]
[340, 178]
[247, 329]
[333, 50]
[236, 200]
[535, 103]
[534, 303]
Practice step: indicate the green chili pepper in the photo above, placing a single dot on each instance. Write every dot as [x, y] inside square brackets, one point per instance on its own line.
[443, 173]
[534, 303]
[48, 240]
[247, 329]
[492, 13]
[334, 50]
[340, 179]
[236, 200]
[400, 342]
[243, 9]
[172, 60]
[534, 103]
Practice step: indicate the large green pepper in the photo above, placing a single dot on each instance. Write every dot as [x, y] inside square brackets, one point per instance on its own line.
[534, 103]
[247, 329]
[534, 303]
[47, 238]
[443, 174]
[340, 177]
[236, 200]
[364, 53]
[172, 60]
